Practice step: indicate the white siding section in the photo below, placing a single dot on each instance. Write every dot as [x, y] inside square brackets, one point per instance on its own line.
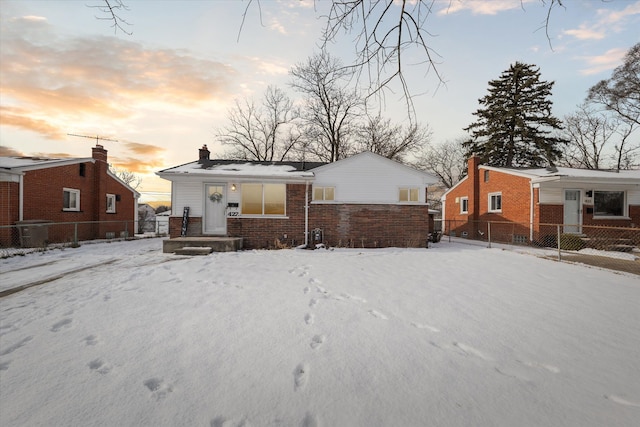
[368, 178]
[633, 197]
[551, 196]
[187, 194]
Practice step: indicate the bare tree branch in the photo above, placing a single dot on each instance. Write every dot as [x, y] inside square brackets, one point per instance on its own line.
[111, 9]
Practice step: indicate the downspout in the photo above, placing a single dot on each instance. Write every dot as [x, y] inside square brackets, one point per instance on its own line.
[306, 214]
[531, 211]
[21, 198]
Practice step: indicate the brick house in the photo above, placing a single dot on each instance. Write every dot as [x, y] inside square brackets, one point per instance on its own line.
[576, 198]
[82, 191]
[363, 201]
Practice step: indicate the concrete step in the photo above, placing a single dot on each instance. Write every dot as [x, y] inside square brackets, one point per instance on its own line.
[194, 250]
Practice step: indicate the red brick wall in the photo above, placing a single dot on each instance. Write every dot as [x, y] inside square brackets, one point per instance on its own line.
[9, 213]
[371, 226]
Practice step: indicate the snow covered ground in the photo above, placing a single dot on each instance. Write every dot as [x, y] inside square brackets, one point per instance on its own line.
[454, 335]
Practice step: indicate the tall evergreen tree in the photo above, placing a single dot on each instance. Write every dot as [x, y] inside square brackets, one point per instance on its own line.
[515, 124]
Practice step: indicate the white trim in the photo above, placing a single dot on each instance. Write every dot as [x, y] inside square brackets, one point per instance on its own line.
[113, 204]
[71, 191]
[489, 196]
[462, 199]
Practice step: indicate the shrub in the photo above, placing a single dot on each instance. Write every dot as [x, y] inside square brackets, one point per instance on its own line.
[571, 242]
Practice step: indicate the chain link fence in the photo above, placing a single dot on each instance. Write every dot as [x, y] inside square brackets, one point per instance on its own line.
[616, 248]
[28, 236]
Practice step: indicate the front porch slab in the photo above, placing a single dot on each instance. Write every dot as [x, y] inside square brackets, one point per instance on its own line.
[217, 244]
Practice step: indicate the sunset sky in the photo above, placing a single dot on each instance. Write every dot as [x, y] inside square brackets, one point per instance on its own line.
[163, 91]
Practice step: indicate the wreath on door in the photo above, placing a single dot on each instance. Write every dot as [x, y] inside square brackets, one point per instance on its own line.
[215, 197]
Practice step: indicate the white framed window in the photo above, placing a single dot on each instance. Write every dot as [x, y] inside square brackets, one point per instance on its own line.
[323, 193]
[111, 203]
[495, 202]
[408, 194]
[609, 203]
[464, 205]
[264, 199]
[70, 199]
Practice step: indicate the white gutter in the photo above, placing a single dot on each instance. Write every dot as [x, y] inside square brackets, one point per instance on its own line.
[21, 198]
[531, 210]
[306, 214]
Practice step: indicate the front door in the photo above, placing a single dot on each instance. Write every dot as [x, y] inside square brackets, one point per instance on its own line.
[215, 202]
[572, 218]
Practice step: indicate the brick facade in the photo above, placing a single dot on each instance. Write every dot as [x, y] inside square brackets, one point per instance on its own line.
[516, 206]
[355, 225]
[43, 200]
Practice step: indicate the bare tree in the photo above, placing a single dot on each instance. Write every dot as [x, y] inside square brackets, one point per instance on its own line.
[446, 160]
[621, 92]
[128, 177]
[395, 142]
[330, 107]
[589, 133]
[383, 30]
[262, 132]
[627, 150]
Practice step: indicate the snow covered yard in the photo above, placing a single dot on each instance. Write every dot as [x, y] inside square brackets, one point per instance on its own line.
[454, 335]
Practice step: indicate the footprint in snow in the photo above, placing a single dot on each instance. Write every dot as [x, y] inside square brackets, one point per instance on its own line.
[377, 314]
[313, 302]
[548, 367]
[223, 422]
[306, 290]
[317, 341]
[621, 401]
[16, 346]
[99, 366]
[421, 326]
[300, 376]
[314, 281]
[64, 323]
[310, 421]
[4, 365]
[309, 319]
[90, 340]
[467, 350]
[158, 389]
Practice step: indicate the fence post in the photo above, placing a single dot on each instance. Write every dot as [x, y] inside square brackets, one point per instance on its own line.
[559, 251]
[75, 233]
[126, 230]
[489, 233]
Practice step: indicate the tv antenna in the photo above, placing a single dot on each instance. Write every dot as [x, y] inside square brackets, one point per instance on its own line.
[97, 138]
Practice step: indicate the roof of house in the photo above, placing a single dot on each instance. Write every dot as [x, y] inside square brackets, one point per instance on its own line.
[17, 165]
[560, 172]
[22, 164]
[244, 168]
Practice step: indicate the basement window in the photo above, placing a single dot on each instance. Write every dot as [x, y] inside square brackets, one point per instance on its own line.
[70, 199]
[408, 195]
[323, 193]
[111, 203]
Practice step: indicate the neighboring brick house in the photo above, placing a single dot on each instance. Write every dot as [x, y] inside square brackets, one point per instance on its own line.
[363, 201]
[81, 191]
[530, 199]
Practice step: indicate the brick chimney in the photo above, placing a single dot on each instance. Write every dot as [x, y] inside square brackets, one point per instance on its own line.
[99, 153]
[473, 172]
[204, 153]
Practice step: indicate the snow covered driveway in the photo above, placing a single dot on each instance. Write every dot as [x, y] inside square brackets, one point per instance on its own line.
[453, 335]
